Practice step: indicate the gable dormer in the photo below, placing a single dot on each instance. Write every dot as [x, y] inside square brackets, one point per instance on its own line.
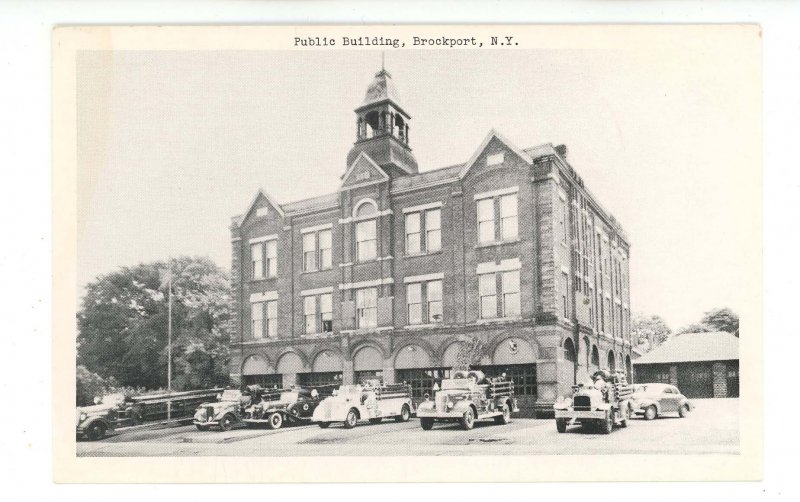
[263, 207]
[494, 152]
[363, 171]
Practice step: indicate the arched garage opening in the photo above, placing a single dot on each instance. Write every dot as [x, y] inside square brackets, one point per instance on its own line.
[326, 369]
[414, 366]
[367, 364]
[257, 371]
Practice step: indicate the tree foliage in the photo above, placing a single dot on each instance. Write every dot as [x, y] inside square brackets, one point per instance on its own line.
[122, 325]
[90, 385]
[470, 353]
[649, 331]
[719, 319]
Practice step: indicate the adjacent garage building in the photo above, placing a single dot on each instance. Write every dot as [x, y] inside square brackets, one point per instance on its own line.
[701, 364]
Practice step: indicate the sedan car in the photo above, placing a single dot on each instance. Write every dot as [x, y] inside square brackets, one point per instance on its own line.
[655, 399]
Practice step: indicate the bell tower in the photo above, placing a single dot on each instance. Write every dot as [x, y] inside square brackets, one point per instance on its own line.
[382, 128]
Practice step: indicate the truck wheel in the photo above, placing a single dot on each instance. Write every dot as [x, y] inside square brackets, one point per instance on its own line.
[275, 421]
[375, 420]
[324, 425]
[351, 420]
[405, 414]
[226, 422]
[561, 425]
[650, 413]
[468, 420]
[607, 425]
[627, 416]
[505, 417]
[201, 427]
[683, 411]
[96, 431]
[426, 423]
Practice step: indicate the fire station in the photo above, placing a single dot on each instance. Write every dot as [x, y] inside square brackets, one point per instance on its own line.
[400, 271]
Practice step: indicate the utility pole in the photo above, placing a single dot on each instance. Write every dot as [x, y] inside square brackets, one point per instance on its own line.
[169, 349]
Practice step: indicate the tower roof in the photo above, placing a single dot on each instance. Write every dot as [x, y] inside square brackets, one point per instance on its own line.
[381, 88]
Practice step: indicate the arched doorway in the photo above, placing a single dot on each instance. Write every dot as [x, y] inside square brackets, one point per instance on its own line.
[628, 372]
[612, 364]
[570, 358]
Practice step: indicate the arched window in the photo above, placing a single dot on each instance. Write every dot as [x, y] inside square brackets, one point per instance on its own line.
[366, 231]
[628, 372]
[595, 356]
[569, 351]
[586, 349]
[611, 361]
[372, 120]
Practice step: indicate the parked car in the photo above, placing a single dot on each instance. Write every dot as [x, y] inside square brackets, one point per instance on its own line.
[467, 397]
[655, 399]
[603, 403]
[109, 412]
[224, 413]
[278, 407]
[371, 401]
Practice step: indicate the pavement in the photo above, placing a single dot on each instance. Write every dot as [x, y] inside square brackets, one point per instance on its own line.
[712, 428]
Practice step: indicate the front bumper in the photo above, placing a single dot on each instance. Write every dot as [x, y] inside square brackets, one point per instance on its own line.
[439, 414]
[209, 423]
[580, 415]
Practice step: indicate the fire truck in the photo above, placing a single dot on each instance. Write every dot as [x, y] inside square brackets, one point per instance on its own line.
[371, 401]
[603, 403]
[467, 397]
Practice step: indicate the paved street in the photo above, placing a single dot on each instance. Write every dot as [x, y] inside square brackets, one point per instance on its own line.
[712, 428]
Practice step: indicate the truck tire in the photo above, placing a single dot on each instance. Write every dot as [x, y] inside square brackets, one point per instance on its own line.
[651, 412]
[626, 416]
[405, 414]
[561, 425]
[426, 423]
[468, 420]
[226, 422]
[96, 431]
[275, 421]
[683, 411]
[505, 417]
[607, 424]
[351, 420]
[324, 425]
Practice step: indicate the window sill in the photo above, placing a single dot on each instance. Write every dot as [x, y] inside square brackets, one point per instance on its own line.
[263, 279]
[498, 319]
[324, 334]
[416, 255]
[316, 271]
[424, 326]
[496, 243]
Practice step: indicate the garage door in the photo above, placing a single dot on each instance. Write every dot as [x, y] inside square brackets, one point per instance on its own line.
[696, 380]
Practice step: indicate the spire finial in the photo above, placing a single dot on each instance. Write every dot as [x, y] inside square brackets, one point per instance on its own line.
[383, 58]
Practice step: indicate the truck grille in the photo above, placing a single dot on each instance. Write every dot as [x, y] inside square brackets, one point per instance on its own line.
[582, 403]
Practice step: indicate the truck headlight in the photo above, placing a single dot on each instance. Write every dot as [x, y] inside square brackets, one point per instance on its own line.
[450, 405]
[83, 417]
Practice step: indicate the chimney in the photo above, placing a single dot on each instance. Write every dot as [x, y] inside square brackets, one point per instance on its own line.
[562, 150]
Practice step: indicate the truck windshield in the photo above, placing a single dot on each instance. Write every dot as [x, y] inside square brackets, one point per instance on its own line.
[111, 399]
[457, 384]
[230, 395]
[349, 389]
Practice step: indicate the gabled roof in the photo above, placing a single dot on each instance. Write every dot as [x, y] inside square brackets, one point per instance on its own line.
[489, 137]
[262, 193]
[691, 347]
[363, 157]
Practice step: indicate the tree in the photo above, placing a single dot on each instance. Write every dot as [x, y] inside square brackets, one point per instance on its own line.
[122, 325]
[649, 331]
[470, 353]
[722, 319]
[90, 385]
[695, 327]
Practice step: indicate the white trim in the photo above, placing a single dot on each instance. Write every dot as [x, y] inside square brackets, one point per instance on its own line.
[495, 159]
[373, 216]
[562, 195]
[422, 207]
[366, 284]
[236, 239]
[389, 257]
[564, 269]
[317, 291]
[287, 227]
[365, 200]
[348, 264]
[265, 238]
[426, 277]
[504, 266]
[324, 226]
[261, 192]
[353, 166]
[492, 134]
[422, 186]
[263, 297]
[495, 193]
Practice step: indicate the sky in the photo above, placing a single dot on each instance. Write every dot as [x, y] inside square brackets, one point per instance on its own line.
[171, 145]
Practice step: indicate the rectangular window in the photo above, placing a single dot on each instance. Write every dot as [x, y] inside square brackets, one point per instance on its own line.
[309, 252]
[367, 307]
[366, 240]
[434, 292]
[486, 220]
[511, 304]
[413, 233]
[272, 319]
[487, 285]
[433, 230]
[257, 261]
[325, 249]
[563, 222]
[257, 319]
[326, 312]
[272, 258]
[508, 217]
[414, 302]
[310, 314]
[496, 159]
[564, 290]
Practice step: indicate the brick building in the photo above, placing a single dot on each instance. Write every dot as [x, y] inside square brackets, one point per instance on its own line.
[700, 364]
[399, 270]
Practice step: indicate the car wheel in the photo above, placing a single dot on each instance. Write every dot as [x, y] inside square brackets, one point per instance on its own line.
[607, 425]
[405, 414]
[651, 412]
[351, 420]
[201, 427]
[324, 425]
[426, 423]
[505, 417]
[561, 425]
[275, 421]
[374, 421]
[226, 423]
[683, 411]
[468, 420]
[96, 431]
